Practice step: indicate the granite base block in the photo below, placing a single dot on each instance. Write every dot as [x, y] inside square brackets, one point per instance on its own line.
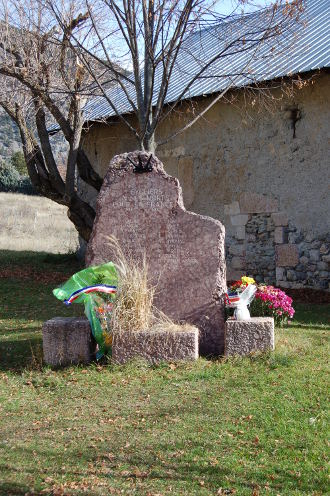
[156, 346]
[243, 337]
[67, 341]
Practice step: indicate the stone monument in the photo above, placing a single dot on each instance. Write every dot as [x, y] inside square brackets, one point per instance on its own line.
[142, 206]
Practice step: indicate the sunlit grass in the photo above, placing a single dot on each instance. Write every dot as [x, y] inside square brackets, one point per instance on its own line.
[245, 426]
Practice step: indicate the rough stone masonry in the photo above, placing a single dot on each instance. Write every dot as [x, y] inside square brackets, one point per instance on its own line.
[184, 251]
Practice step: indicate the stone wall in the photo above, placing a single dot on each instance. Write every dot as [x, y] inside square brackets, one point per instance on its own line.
[248, 168]
[265, 244]
[260, 250]
[310, 267]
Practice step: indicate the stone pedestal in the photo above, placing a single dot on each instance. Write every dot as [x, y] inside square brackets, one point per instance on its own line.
[156, 346]
[247, 336]
[67, 341]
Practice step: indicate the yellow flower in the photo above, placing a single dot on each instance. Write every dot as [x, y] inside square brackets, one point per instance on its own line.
[247, 280]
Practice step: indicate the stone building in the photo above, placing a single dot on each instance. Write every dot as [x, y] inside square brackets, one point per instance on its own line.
[264, 172]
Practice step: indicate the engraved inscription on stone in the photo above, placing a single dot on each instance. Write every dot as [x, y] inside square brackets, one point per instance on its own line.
[184, 251]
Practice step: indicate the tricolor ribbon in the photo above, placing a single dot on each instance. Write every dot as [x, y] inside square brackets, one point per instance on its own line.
[100, 288]
[229, 300]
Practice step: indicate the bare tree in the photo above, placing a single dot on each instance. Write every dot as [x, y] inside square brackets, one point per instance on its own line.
[56, 55]
[44, 84]
[152, 38]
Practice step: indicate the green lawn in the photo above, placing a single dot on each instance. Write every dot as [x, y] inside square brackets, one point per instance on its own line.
[253, 426]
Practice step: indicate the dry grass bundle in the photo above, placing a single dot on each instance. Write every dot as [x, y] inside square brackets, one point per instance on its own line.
[134, 309]
[134, 302]
[161, 322]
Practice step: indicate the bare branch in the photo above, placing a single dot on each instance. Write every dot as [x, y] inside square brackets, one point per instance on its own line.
[43, 83]
[155, 35]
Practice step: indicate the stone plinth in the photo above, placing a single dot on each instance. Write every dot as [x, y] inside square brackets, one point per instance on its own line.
[184, 251]
[156, 346]
[67, 341]
[247, 336]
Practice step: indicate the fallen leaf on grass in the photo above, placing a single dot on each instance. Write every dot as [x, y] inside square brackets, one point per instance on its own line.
[140, 474]
[137, 474]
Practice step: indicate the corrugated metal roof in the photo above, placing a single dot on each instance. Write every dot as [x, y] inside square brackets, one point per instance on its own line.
[301, 47]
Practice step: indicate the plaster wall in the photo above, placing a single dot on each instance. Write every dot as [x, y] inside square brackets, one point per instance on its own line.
[236, 150]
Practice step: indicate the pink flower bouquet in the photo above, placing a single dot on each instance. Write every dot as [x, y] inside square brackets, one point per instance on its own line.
[272, 302]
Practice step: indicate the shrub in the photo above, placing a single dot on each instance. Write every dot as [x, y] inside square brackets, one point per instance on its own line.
[9, 177]
[11, 180]
[26, 187]
[18, 161]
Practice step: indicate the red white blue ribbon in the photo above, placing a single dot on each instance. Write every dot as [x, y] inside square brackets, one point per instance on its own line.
[231, 299]
[99, 288]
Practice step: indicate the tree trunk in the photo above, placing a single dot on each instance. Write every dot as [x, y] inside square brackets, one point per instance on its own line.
[41, 168]
[149, 142]
[82, 215]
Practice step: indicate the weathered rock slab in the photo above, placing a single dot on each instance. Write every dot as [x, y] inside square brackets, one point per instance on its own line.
[184, 251]
[67, 341]
[287, 255]
[243, 337]
[156, 346]
[280, 219]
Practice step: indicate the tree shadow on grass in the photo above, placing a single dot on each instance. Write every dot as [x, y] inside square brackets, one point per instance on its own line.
[19, 354]
[35, 475]
[309, 327]
[183, 471]
[12, 489]
[154, 474]
[39, 260]
[312, 315]
[183, 464]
